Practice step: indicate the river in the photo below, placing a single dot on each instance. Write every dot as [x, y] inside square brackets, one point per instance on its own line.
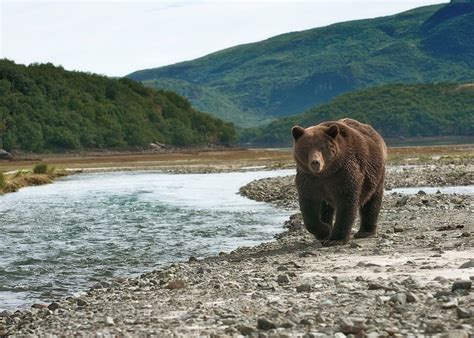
[59, 239]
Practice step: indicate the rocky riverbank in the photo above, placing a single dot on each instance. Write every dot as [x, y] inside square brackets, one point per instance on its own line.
[413, 278]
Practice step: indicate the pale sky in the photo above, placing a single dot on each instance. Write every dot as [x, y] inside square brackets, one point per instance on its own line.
[116, 38]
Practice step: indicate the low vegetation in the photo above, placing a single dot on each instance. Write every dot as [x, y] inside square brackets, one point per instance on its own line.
[45, 108]
[40, 168]
[2, 181]
[394, 110]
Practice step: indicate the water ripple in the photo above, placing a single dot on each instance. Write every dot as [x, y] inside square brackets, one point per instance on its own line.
[58, 239]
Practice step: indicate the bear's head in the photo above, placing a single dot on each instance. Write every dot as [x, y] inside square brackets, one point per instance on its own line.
[315, 148]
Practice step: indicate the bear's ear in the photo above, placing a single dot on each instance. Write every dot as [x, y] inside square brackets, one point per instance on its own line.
[297, 132]
[333, 131]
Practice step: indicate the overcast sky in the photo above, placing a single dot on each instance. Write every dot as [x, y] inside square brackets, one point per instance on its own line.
[118, 37]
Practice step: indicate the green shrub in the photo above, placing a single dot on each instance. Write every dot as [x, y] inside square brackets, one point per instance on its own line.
[2, 181]
[40, 168]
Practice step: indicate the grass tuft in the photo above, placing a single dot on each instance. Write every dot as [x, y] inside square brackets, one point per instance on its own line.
[40, 168]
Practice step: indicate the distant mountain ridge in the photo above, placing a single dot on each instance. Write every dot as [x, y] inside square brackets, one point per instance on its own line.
[290, 73]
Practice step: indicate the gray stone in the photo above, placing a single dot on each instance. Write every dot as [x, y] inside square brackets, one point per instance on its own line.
[327, 302]
[303, 288]
[81, 302]
[399, 297]
[450, 305]
[53, 306]
[461, 285]
[468, 264]
[464, 313]
[456, 334]
[435, 326]
[402, 201]
[246, 330]
[265, 324]
[176, 284]
[412, 298]
[375, 286]
[398, 228]
[339, 335]
[5, 313]
[283, 279]
[287, 325]
[109, 321]
[101, 285]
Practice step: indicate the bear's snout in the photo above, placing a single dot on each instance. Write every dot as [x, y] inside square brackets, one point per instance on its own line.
[316, 163]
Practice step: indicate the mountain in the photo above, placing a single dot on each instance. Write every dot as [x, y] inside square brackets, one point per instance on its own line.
[45, 108]
[393, 110]
[288, 74]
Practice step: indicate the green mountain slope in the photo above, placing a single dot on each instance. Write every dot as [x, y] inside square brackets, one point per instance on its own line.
[393, 110]
[45, 108]
[291, 73]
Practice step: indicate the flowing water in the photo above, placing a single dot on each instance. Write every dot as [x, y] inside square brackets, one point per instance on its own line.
[56, 240]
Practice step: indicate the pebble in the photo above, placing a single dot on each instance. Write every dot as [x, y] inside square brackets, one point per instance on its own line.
[5, 313]
[109, 321]
[464, 313]
[339, 335]
[265, 324]
[303, 288]
[468, 264]
[375, 286]
[398, 228]
[246, 330]
[399, 297]
[412, 298]
[283, 279]
[450, 305]
[461, 285]
[402, 201]
[456, 334]
[53, 306]
[101, 285]
[176, 284]
[81, 302]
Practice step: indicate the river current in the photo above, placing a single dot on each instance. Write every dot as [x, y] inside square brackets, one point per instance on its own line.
[59, 239]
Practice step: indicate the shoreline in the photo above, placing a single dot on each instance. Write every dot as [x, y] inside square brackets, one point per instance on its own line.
[398, 282]
[211, 161]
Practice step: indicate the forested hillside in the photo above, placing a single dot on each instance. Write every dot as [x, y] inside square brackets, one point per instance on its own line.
[45, 108]
[394, 110]
[290, 73]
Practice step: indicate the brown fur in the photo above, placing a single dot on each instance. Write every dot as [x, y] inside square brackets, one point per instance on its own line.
[340, 170]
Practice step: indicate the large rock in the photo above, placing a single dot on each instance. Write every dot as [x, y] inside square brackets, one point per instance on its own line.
[5, 155]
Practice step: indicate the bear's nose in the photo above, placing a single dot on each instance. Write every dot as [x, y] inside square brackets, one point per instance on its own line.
[315, 164]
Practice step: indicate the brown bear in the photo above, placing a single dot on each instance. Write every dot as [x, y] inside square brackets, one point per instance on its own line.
[340, 169]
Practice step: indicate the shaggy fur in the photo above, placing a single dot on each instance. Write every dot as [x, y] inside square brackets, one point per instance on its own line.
[340, 170]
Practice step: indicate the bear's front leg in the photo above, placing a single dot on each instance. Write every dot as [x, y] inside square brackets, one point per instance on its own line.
[311, 211]
[345, 216]
[369, 214]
